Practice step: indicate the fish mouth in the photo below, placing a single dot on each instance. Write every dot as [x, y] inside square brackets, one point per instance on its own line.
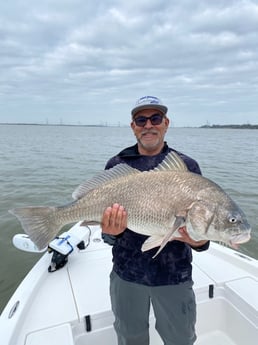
[236, 240]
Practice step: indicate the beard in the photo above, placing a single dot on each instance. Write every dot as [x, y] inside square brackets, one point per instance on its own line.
[150, 139]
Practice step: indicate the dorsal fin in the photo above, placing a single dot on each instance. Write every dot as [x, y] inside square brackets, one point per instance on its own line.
[105, 176]
[172, 162]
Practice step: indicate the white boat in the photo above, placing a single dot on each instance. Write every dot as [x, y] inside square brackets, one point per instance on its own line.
[71, 306]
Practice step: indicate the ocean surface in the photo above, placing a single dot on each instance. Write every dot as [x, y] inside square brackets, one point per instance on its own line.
[42, 165]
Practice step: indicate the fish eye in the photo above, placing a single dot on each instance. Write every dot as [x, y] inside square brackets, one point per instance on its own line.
[233, 220]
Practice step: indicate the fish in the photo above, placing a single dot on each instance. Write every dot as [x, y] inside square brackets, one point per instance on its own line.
[158, 203]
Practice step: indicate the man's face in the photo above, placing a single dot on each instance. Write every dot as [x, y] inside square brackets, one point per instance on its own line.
[150, 137]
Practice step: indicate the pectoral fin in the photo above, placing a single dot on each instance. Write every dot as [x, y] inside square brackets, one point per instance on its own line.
[152, 242]
[155, 241]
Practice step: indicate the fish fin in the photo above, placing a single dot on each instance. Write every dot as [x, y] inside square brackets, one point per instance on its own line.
[172, 162]
[105, 176]
[178, 223]
[39, 223]
[151, 242]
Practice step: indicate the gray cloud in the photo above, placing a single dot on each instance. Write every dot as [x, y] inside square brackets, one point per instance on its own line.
[87, 62]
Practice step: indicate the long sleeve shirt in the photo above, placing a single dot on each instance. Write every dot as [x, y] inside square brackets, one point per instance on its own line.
[173, 264]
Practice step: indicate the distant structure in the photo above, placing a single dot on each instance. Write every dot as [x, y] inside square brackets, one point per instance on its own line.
[244, 126]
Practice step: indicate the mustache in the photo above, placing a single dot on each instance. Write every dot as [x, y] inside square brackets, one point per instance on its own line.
[149, 131]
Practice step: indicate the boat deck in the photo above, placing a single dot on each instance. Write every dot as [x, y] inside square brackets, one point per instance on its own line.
[72, 306]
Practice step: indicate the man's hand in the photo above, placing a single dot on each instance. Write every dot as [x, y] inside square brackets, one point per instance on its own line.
[114, 220]
[187, 239]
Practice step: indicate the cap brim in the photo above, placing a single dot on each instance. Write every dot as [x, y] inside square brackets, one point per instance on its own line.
[159, 107]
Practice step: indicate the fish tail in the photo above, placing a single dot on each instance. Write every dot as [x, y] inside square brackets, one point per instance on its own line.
[39, 223]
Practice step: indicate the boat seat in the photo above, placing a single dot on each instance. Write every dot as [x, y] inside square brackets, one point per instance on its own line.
[54, 335]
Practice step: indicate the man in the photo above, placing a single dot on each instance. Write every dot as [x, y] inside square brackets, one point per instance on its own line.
[137, 279]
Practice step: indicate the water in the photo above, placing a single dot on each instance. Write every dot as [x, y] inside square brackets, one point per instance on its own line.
[42, 165]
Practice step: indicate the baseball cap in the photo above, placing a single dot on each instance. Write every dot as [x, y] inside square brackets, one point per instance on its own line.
[149, 102]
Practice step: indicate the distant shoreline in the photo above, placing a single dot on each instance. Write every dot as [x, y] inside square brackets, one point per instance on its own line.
[55, 124]
[244, 126]
[232, 126]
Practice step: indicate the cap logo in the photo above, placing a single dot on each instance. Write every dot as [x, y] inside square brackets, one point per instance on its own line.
[148, 99]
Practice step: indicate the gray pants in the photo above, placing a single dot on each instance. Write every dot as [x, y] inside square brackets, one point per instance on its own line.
[174, 308]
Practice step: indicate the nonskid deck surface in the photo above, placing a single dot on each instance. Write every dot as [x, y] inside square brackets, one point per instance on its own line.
[215, 338]
[211, 338]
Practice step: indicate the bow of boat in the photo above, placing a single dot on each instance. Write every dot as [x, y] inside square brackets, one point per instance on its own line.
[72, 307]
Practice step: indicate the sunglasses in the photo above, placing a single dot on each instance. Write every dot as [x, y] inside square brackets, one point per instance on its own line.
[155, 120]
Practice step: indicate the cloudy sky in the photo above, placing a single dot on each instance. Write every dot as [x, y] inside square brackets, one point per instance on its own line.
[86, 62]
